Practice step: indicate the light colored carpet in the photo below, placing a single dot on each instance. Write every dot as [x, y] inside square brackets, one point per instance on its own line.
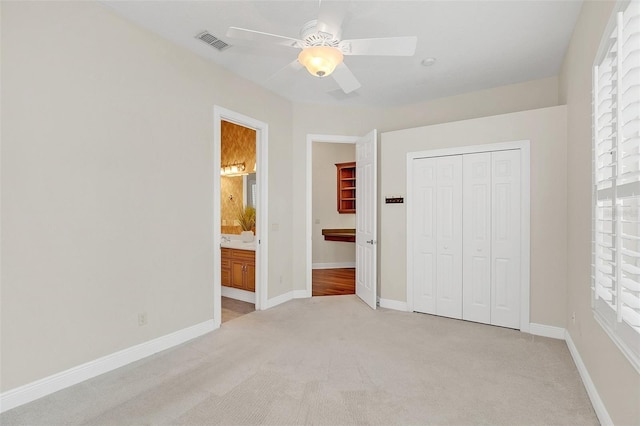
[334, 361]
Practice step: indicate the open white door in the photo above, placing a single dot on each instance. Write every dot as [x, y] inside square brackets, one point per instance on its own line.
[366, 280]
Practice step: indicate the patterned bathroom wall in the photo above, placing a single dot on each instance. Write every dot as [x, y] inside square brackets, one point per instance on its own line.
[238, 145]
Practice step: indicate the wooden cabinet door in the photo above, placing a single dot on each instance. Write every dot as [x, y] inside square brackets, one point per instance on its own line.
[237, 274]
[225, 260]
[250, 277]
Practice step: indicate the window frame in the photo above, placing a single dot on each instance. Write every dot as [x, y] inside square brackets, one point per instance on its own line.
[621, 333]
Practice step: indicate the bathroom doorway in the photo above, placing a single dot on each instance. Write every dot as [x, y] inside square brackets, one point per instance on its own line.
[238, 219]
[240, 212]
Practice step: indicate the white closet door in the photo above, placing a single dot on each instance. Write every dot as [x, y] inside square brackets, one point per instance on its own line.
[505, 242]
[449, 237]
[476, 231]
[424, 237]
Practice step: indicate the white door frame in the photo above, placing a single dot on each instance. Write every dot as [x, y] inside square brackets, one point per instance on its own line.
[525, 201]
[262, 210]
[311, 138]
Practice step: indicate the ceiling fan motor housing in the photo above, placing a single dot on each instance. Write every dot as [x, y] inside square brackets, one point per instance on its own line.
[312, 36]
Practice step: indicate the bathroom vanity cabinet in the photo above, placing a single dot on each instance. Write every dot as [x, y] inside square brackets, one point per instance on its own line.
[238, 269]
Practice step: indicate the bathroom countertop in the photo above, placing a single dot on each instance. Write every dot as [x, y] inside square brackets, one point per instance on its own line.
[239, 245]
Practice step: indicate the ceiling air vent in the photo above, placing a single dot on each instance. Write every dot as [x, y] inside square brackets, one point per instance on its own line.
[213, 41]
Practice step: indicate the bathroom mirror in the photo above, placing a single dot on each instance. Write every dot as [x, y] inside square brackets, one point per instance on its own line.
[237, 192]
[249, 189]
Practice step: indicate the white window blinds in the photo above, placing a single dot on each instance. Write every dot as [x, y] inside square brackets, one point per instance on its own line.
[616, 176]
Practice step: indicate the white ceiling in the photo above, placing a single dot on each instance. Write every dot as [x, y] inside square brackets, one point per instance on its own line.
[477, 44]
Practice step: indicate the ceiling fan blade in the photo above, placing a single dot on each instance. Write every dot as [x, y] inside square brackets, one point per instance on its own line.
[290, 68]
[345, 78]
[330, 17]
[391, 46]
[260, 37]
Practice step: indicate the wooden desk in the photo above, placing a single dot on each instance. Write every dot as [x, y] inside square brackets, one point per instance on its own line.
[343, 235]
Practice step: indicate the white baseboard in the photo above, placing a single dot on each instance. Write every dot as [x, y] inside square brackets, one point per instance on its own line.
[333, 265]
[598, 405]
[393, 304]
[236, 293]
[278, 300]
[295, 294]
[301, 294]
[48, 385]
[547, 331]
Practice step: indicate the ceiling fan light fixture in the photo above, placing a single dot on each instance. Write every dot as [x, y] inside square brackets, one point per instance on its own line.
[320, 61]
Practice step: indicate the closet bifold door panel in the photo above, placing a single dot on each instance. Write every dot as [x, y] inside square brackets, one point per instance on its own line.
[476, 231]
[424, 235]
[437, 236]
[449, 237]
[505, 240]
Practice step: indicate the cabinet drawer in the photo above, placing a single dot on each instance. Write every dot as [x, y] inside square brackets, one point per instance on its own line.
[246, 255]
[225, 263]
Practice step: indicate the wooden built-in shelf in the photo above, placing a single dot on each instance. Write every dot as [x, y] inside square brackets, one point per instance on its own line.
[346, 190]
[344, 235]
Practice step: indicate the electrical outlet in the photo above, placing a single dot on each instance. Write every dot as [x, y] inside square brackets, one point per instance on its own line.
[142, 319]
[317, 221]
[573, 317]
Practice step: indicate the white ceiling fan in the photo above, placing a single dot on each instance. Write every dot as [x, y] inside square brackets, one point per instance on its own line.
[322, 50]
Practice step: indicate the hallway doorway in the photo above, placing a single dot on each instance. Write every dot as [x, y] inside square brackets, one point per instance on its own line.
[354, 183]
[334, 218]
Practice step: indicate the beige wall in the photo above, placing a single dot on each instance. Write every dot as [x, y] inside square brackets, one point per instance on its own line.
[617, 382]
[353, 121]
[325, 211]
[546, 130]
[107, 196]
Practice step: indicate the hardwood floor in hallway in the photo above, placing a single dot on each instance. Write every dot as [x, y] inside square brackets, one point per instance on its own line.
[333, 282]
